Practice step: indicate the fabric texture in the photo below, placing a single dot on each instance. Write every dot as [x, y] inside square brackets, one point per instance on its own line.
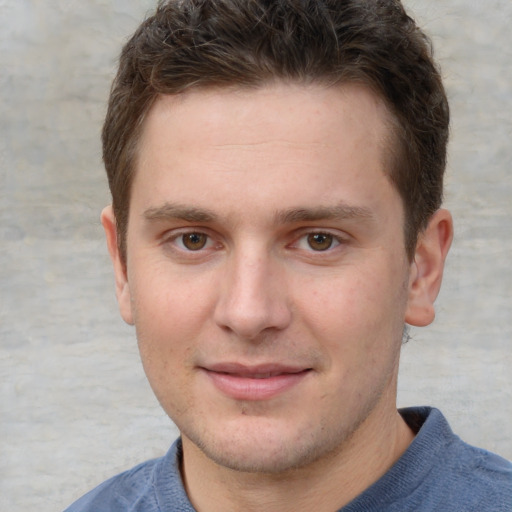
[438, 472]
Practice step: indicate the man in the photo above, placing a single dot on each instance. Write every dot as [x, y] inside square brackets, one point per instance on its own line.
[276, 170]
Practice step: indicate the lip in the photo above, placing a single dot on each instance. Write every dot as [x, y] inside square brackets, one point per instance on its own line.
[260, 382]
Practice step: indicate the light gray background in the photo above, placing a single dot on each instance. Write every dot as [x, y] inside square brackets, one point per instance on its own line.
[75, 406]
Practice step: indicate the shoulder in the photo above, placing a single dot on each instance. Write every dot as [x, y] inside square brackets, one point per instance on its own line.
[439, 472]
[120, 492]
[482, 477]
[468, 478]
[152, 486]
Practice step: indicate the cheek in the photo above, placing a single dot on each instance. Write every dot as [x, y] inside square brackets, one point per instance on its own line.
[359, 311]
[165, 337]
[164, 298]
[166, 320]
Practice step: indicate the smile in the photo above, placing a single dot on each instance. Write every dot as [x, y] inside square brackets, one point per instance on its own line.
[239, 382]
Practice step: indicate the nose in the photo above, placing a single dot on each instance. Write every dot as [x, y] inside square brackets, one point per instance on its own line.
[252, 297]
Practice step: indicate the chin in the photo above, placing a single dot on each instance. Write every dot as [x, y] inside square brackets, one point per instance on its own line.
[260, 447]
[268, 459]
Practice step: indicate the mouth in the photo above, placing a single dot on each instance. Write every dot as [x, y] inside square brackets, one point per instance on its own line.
[254, 383]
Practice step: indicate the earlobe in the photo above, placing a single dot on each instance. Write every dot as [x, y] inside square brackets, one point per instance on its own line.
[427, 268]
[123, 294]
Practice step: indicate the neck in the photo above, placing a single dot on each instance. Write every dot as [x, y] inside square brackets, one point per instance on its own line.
[325, 485]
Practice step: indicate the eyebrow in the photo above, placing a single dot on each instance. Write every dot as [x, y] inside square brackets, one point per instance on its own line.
[341, 211]
[181, 212]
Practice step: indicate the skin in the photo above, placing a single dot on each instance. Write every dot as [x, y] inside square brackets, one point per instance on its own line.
[267, 279]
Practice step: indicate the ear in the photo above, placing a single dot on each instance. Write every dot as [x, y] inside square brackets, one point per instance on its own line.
[427, 268]
[123, 295]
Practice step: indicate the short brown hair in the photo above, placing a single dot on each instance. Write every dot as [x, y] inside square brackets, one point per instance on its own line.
[249, 43]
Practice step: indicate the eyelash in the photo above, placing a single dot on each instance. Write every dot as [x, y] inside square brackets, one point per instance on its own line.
[177, 241]
[307, 237]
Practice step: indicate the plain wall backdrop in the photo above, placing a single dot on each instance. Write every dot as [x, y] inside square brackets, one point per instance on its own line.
[75, 407]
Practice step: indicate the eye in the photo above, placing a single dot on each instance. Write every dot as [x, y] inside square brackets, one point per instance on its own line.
[192, 241]
[318, 241]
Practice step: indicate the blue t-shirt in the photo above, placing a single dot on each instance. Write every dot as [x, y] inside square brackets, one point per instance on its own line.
[438, 472]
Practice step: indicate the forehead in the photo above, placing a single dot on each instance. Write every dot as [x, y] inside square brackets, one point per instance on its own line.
[280, 138]
[296, 107]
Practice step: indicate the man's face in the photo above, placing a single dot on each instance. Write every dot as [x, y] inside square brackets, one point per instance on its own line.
[266, 272]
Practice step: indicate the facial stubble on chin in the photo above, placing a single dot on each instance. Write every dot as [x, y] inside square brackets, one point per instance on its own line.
[300, 456]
